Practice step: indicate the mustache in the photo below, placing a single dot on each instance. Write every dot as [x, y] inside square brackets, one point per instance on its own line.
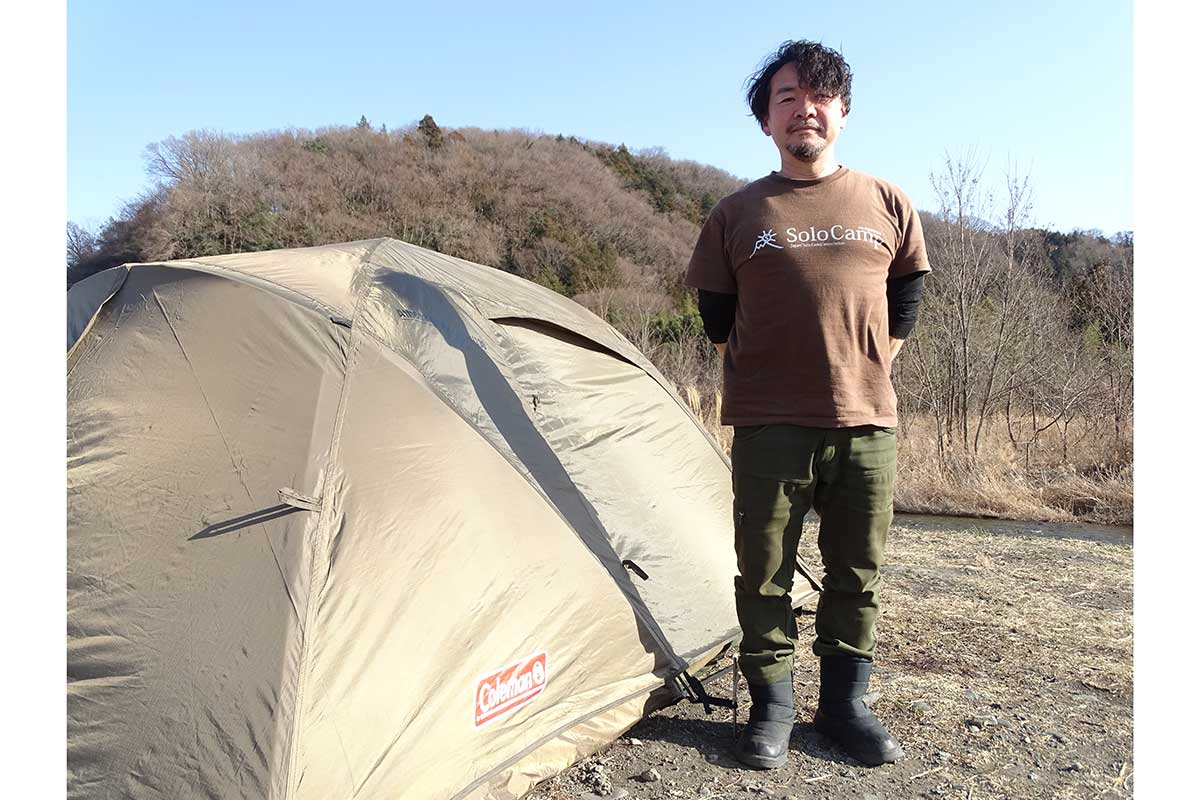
[800, 126]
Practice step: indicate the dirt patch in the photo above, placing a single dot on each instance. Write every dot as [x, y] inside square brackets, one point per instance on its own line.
[1004, 668]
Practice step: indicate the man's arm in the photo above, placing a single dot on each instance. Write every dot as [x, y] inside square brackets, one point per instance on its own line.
[717, 311]
[904, 298]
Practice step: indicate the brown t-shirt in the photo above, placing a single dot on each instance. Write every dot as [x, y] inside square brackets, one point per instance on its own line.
[809, 263]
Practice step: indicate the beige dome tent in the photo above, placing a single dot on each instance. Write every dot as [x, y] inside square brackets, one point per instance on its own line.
[368, 521]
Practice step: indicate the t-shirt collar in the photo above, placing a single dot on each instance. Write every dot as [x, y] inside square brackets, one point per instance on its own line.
[837, 174]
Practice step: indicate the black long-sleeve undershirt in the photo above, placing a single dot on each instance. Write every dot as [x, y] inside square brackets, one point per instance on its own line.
[718, 309]
[904, 297]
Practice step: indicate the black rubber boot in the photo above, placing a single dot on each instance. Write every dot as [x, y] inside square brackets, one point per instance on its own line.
[844, 717]
[764, 742]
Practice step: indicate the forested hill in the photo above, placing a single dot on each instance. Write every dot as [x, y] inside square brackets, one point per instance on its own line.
[572, 215]
[576, 216]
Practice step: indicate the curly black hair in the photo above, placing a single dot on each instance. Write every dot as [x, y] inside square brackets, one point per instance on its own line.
[820, 67]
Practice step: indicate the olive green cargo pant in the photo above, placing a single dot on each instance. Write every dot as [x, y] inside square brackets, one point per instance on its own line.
[780, 471]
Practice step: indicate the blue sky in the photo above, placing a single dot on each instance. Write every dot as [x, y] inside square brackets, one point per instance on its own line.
[1045, 85]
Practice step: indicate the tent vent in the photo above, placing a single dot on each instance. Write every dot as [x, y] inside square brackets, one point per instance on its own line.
[635, 569]
[294, 499]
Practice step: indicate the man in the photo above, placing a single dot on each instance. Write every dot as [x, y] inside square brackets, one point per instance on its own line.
[808, 284]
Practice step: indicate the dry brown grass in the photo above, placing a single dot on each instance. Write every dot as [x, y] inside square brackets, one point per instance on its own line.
[1094, 485]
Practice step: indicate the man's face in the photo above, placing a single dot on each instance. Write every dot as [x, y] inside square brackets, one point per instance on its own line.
[801, 122]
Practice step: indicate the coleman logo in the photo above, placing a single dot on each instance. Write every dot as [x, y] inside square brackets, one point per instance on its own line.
[510, 687]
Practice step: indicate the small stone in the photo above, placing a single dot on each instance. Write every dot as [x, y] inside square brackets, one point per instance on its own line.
[869, 698]
[595, 777]
[1033, 776]
[712, 758]
[636, 742]
[650, 776]
[1074, 766]
[922, 708]
[972, 695]
[941, 756]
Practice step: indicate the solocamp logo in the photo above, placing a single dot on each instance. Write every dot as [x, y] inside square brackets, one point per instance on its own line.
[765, 239]
[819, 237]
[834, 234]
[510, 687]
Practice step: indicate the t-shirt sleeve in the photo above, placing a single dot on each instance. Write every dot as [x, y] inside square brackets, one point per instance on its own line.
[709, 266]
[910, 254]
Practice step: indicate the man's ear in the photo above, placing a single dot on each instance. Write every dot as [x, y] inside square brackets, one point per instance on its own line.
[763, 126]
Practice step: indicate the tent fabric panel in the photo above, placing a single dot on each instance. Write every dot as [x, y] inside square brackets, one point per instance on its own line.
[85, 299]
[494, 293]
[201, 399]
[560, 752]
[435, 329]
[545, 759]
[660, 490]
[445, 565]
[326, 275]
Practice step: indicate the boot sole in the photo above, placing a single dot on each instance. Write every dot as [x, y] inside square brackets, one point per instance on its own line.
[761, 762]
[871, 759]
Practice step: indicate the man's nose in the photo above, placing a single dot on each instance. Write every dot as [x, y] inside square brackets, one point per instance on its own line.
[806, 107]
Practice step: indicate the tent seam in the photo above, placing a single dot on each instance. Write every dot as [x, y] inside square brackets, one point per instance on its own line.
[322, 523]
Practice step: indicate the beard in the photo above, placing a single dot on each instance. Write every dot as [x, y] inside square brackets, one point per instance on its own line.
[806, 151]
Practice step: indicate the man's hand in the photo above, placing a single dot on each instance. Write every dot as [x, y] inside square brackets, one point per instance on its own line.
[896, 345]
[721, 348]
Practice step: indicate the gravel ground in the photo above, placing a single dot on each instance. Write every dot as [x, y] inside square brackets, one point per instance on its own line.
[1004, 667]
